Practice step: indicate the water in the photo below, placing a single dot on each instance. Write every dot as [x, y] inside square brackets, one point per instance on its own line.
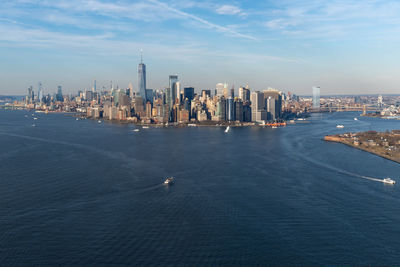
[83, 193]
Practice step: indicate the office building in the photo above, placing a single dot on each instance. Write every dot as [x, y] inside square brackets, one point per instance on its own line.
[316, 96]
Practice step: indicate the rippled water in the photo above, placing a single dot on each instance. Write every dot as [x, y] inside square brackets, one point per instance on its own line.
[83, 193]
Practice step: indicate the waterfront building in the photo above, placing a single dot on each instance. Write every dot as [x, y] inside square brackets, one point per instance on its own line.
[221, 109]
[258, 112]
[275, 102]
[142, 80]
[230, 109]
[316, 97]
[246, 112]
[148, 109]
[239, 110]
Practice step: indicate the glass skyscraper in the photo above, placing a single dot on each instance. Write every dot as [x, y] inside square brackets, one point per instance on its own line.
[173, 79]
[316, 94]
[142, 80]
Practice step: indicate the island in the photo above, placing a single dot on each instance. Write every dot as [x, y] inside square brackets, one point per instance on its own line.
[384, 144]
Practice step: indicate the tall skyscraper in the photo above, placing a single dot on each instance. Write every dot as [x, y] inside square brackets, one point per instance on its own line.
[59, 95]
[230, 109]
[40, 92]
[316, 95]
[188, 92]
[219, 89]
[142, 79]
[173, 79]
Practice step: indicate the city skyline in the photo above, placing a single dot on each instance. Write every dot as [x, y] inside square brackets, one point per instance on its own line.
[342, 47]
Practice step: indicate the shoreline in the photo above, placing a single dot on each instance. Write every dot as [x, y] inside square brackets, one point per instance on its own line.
[341, 140]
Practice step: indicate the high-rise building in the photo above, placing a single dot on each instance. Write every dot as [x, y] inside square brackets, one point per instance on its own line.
[239, 110]
[244, 94]
[275, 103]
[230, 109]
[178, 92]
[316, 95]
[142, 80]
[149, 95]
[188, 92]
[40, 92]
[173, 79]
[258, 112]
[59, 95]
[219, 89]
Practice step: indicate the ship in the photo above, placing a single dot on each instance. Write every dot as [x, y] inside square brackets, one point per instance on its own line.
[339, 126]
[169, 181]
[387, 180]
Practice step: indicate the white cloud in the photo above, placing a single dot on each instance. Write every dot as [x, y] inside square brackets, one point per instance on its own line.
[228, 10]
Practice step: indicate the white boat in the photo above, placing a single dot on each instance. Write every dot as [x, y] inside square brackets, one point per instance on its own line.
[26, 116]
[99, 121]
[301, 119]
[227, 129]
[355, 119]
[136, 130]
[33, 125]
[77, 119]
[169, 181]
[35, 118]
[274, 127]
[145, 127]
[387, 180]
[339, 126]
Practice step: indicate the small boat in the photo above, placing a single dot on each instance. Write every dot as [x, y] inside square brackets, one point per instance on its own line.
[387, 180]
[355, 119]
[145, 127]
[169, 181]
[339, 126]
[33, 125]
[77, 119]
[26, 116]
[99, 121]
[301, 119]
[136, 130]
[227, 129]
[35, 118]
[274, 127]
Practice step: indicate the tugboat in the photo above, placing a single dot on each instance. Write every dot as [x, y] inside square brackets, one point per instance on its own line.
[387, 180]
[169, 181]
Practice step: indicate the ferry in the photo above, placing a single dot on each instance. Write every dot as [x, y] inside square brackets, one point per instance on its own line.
[227, 129]
[339, 126]
[169, 181]
[387, 180]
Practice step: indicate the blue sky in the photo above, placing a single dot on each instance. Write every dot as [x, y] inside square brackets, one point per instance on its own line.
[342, 46]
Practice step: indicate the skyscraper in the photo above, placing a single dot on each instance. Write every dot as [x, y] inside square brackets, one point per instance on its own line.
[316, 92]
[40, 92]
[59, 95]
[142, 79]
[173, 79]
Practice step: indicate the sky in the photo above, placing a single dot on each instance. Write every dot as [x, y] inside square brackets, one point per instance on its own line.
[345, 47]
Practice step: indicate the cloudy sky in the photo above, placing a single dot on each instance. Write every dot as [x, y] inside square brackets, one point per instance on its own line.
[349, 46]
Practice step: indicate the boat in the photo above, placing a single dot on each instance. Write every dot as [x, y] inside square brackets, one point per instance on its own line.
[136, 130]
[227, 129]
[274, 127]
[99, 121]
[169, 181]
[35, 118]
[77, 119]
[145, 127]
[339, 126]
[33, 125]
[301, 119]
[387, 180]
[26, 116]
[355, 119]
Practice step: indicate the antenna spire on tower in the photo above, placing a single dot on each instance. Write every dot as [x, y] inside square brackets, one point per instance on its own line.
[141, 56]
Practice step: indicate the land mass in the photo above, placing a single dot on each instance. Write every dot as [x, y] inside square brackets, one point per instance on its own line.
[386, 145]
